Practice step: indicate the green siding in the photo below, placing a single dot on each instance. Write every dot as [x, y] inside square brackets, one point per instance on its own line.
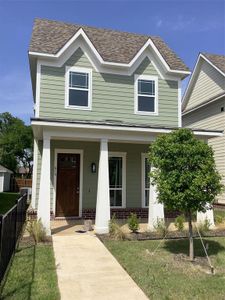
[91, 154]
[112, 95]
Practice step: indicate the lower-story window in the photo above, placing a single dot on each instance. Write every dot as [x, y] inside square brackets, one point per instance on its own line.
[145, 180]
[117, 179]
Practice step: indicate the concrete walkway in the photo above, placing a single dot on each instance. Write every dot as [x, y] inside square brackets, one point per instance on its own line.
[87, 270]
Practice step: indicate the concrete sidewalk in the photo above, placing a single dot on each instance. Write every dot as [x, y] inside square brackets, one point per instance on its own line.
[87, 270]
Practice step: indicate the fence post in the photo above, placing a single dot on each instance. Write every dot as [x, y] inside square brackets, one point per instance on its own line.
[1, 241]
[15, 230]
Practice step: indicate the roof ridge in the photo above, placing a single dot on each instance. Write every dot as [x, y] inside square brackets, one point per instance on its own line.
[213, 54]
[99, 28]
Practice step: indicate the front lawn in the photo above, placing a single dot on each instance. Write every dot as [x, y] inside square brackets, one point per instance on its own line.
[168, 274]
[32, 274]
[7, 200]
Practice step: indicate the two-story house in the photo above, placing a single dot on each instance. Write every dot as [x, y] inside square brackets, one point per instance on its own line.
[101, 98]
[204, 104]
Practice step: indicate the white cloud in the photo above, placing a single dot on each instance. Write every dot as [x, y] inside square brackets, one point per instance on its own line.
[184, 23]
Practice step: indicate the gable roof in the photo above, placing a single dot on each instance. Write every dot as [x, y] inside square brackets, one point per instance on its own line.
[4, 169]
[49, 37]
[216, 61]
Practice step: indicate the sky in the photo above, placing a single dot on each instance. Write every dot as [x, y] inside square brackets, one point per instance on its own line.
[188, 27]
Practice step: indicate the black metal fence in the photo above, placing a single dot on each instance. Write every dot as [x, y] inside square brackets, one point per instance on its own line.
[11, 224]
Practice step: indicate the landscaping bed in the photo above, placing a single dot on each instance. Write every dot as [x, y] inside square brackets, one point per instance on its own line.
[32, 274]
[163, 271]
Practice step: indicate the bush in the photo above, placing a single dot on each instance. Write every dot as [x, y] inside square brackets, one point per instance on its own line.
[160, 227]
[36, 230]
[204, 227]
[133, 222]
[179, 222]
[115, 230]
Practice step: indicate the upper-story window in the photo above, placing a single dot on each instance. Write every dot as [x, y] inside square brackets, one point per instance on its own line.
[146, 95]
[78, 88]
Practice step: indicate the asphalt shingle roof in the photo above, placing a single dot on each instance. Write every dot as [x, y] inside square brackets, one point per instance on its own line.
[217, 60]
[113, 46]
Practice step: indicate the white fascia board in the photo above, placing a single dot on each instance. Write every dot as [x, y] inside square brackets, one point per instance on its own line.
[206, 59]
[202, 105]
[116, 132]
[80, 32]
[209, 134]
[100, 127]
[190, 83]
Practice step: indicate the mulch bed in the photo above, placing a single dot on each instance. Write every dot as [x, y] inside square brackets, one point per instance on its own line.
[142, 236]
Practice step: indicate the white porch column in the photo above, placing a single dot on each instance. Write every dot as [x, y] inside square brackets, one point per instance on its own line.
[103, 203]
[43, 211]
[208, 215]
[34, 176]
[155, 209]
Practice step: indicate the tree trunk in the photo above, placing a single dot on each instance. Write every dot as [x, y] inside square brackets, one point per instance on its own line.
[191, 242]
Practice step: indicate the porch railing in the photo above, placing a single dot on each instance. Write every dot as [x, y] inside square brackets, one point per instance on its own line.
[11, 225]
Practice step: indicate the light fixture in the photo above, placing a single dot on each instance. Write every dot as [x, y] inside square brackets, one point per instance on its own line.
[93, 167]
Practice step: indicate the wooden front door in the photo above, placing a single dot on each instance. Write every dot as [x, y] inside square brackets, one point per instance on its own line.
[68, 185]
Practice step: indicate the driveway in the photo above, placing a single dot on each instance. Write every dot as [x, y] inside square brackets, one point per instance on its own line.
[87, 270]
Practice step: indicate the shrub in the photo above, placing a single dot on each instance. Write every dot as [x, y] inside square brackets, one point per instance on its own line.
[115, 230]
[133, 222]
[179, 222]
[204, 227]
[160, 227]
[36, 230]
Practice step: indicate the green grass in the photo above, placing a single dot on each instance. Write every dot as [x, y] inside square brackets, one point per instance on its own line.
[32, 274]
[167, 274]
[7, 200]
[219, 212]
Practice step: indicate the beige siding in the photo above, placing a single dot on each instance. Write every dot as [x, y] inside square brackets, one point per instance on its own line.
[210, 117]
[209, 83]
[112, 95]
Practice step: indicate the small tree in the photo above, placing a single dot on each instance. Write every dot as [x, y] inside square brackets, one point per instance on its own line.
[185, 174]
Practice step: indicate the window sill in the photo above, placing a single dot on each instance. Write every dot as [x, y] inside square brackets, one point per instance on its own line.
[145, 113]
[77, 107]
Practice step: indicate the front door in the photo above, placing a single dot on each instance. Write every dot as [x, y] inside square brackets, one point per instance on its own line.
[68, 185]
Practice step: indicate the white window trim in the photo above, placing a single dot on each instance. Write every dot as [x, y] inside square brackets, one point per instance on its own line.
[74, 151]
[143, 157]
[67, 77]
[145, 77]
[123, 155]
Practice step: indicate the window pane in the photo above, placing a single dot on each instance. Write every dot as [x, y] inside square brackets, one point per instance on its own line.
[115, 172]
[115, 197]
[146, 197]
[146, 87]
[146, 104]
[78, 97]
[147, 170]
[79, 80]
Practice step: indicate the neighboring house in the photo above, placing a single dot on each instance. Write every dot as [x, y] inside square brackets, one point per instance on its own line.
[5, 175]
[101, 97]
[204, 103]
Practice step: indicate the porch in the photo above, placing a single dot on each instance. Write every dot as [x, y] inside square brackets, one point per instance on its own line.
[85, 170]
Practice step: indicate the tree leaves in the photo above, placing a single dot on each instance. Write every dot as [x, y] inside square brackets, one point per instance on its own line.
[16, 143]
[185, 173]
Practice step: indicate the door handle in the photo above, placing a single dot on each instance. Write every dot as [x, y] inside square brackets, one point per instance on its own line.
[78, 190]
